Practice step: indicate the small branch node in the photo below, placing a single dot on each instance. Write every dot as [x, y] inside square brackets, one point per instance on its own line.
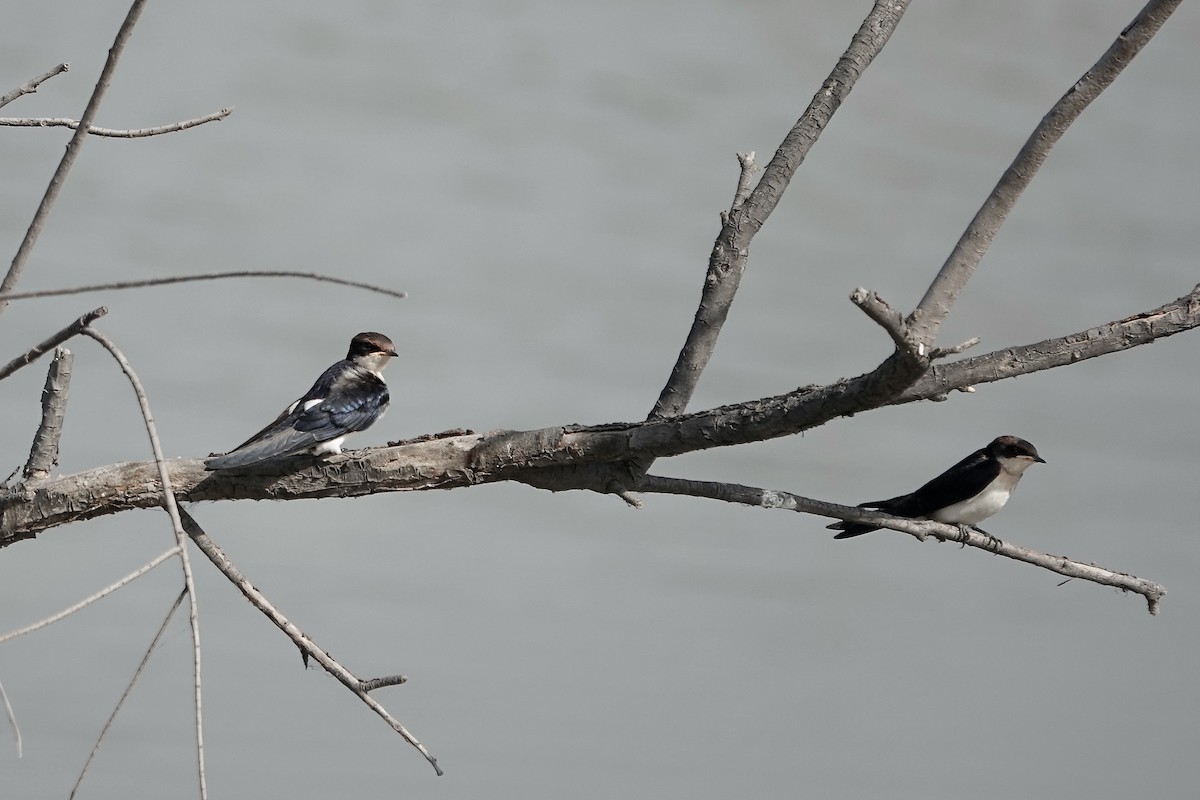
[942, 352]
[889, 319]
[631, 499]
[746, 162]
[379, 683]
[43, 456]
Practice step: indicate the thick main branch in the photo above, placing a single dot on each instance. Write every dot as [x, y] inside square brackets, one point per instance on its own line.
[567, 457]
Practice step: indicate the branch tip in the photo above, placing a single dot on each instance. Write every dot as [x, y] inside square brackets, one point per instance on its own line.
[942, 352]
[37, 351]
[889, 319]
[43, 455]
[32, 85]
[114, 133]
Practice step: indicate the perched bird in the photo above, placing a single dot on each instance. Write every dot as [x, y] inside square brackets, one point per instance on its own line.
[348, 397]
[966, 494]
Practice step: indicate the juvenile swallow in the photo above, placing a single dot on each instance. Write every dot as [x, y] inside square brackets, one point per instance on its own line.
[348, 397]
[966, 494]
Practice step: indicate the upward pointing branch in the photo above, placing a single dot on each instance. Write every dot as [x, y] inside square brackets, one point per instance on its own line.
[64, 166]
[732, 247]
[928, 317]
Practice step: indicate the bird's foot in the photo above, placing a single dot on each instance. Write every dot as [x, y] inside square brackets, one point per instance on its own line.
[993, 543]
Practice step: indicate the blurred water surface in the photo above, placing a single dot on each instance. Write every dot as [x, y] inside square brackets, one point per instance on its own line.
[544, 179]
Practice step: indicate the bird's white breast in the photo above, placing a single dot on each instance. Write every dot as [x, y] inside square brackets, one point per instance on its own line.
[976, 509]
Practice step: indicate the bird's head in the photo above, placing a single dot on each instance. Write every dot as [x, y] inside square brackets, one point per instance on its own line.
[1014, 454]
[371, 351]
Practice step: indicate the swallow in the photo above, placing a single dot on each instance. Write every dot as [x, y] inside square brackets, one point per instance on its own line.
[348, 397]
[964, 495]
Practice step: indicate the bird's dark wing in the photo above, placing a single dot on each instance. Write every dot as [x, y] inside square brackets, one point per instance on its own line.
[355, 400]
[965, 479]
[343, 400]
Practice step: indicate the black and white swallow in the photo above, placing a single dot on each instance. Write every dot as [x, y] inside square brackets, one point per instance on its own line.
[966, 494]
[348, 397]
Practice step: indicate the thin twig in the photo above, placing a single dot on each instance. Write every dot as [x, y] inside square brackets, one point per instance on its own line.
[137, 673]
[307, 647]
[87, 601]
[73, 147]
[371, 684]
[927, 319]
[168, 502]
[12, 720]
[769, 498]
[962, 347]
[43, 455]
[115, 133]
[54, 341]
[208, 276]
[32, 86]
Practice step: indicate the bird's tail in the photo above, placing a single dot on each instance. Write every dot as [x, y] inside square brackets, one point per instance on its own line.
[850, 529]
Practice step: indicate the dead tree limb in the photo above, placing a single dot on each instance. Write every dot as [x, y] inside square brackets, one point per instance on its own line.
[43, 455]
[731, 251]
[68, 159]
[931, 312]
[31, 86]
[114, 133]
[528, 456]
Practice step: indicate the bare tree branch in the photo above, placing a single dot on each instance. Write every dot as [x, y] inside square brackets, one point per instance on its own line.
[732, 248]
[887, 318]
[167, 497]
[207, 276]
[942, 352]
[1177, 316]
[307, 646]
[12, 719]
[556, 458]
[920, 529]
[136, 133]
[137, 673]
[73, 147]
[927, 319]
[34, 353]
[100, 595]
[32, 86]
[43, 455]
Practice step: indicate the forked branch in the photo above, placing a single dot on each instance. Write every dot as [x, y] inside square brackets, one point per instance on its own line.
[731, 251]
[307, 646]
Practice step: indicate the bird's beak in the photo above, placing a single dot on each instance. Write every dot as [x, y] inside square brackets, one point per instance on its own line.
[1039, 459]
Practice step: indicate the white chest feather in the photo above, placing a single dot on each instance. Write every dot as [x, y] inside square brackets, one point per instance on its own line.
[976, 509]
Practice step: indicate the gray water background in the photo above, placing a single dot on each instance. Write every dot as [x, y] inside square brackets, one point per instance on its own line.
[544, 179]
